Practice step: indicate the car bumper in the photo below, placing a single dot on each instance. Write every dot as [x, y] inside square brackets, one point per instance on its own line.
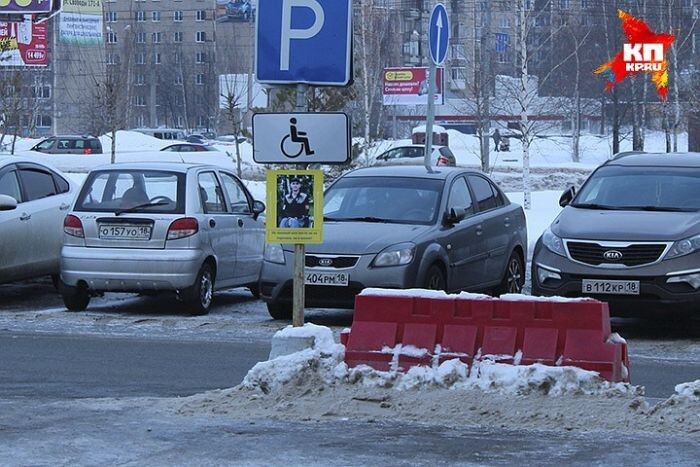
[276, 284]
[554, 275]
[113, 269]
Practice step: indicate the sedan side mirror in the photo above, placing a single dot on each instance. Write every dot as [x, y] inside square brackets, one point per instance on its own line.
[567, 196]
[258, 208]
[7, 203]
[453, 217]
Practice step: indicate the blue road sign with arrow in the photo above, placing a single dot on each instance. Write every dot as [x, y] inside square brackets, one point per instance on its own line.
[438, 34]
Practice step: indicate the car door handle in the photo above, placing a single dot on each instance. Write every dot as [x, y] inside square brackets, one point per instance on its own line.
[64, 206]
[506, 221]
[240, 222]
[479, 230]
[212, 223]
[25, 216]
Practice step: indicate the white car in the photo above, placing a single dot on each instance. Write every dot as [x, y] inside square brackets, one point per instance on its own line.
[34, 200]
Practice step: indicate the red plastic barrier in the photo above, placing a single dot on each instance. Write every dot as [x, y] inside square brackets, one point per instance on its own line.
[438, 328]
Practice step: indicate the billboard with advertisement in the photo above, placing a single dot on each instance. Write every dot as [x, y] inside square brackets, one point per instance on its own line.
[23, 44]
[81, 22]
[26, 6]
[409, 86]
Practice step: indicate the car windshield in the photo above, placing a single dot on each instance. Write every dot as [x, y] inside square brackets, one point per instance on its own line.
[396, 200]
[133, 191]
[641, 189]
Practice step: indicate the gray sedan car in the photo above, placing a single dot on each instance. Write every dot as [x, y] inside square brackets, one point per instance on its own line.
[402, 227]
[34, 199]
[630, 237]
[186, 228]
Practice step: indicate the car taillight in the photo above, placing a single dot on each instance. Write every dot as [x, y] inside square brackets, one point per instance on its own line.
[442, 160]
[87, 151]
[73, 226]
[181, 228]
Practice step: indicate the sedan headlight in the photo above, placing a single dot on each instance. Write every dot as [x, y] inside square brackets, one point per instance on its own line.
[396, 255]
[684, 247]
[274, 253]
[553, 243]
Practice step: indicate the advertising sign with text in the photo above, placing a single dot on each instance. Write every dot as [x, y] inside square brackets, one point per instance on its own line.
[23, 44]
[409, 86]
[25, 6]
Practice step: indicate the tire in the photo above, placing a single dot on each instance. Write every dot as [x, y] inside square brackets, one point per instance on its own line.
[255, 290]
[56, 281]
[199, 297]
[75, 298]
[435, 279]
[279, 311]
[514, 276]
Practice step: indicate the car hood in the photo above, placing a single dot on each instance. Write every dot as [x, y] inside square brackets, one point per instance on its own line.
[361, 238]
[591, 224]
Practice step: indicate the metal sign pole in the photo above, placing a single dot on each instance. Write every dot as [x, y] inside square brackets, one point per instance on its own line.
[430, 117]
[298, 292]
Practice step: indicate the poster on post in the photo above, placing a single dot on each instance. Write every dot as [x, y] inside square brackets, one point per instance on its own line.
[295, 206]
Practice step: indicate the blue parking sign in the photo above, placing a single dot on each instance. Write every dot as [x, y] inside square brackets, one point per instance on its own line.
[303, 41]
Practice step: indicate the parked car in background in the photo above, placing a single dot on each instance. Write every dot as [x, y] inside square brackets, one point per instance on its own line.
[240, 9]
[69, 145]
[188, 147]
[163, 133]
[197, 139]
[630, 236]
[147, 227]
[34, 199]
[414, 155]
[403, 227]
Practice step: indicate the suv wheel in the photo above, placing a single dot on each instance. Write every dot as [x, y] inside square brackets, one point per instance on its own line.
[435, 279]
[514, 277]
[279, 311]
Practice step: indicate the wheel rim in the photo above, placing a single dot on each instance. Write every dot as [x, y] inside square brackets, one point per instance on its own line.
[515, 274]
[435, 282]
[206, 290]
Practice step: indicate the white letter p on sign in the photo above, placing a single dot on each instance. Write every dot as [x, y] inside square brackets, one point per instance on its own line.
[288, 33]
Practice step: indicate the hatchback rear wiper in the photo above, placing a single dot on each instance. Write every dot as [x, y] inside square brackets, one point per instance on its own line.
[595, 206]
[140, 206]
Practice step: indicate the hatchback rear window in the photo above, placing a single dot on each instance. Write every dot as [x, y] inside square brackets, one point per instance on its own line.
[145, 191]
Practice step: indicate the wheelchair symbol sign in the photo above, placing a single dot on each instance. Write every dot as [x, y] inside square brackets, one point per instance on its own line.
[295, 142]
[301, 138]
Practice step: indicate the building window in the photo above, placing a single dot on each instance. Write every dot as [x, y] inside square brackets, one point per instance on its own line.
[141, 58]
[155, 16]
[156, 58]
[141, 38]
[505, 23]
[178, 16]
[201, 15]
[564, 4]
[180, 121]
[139, 79]
[43, 121]
[178, 79]
[141, 120]
[140, 16]
[140, 101]
[199, 79]
[111, 16]
[201, 36]
[177, 58]
[156, 37]
[111, 37]
[200, 57]
[177, 36]
[202, 121]
[41, 92]
[112, 59]
[502, 57]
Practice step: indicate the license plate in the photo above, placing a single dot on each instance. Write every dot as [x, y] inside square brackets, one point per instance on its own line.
[590, 286]
[125, 232]
[326, 278]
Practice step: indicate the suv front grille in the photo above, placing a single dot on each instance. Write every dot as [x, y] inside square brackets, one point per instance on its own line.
[336, 262]
[632, 255]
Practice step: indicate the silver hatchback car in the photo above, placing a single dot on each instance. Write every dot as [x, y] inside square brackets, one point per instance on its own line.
[144, 227]
[401, 227]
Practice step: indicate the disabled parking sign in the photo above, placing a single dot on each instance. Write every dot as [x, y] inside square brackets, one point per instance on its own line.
[301, 138]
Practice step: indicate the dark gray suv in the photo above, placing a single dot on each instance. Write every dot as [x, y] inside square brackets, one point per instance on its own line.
[631, 236]
[402, 227]
[69, 145]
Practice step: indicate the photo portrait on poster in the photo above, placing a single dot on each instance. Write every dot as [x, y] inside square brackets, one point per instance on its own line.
[295, 201]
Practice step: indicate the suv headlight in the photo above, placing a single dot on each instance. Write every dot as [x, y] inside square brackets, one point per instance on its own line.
[395, 255]
[684, 247]
[553, 243]
[274, 253]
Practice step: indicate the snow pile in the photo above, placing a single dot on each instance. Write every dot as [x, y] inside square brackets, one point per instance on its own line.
[323, 365]
[689, 391]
